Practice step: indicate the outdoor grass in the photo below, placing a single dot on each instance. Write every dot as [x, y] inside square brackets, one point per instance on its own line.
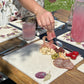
[59, 4]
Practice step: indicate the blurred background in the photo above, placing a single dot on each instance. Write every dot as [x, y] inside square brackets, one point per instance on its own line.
[59, 4]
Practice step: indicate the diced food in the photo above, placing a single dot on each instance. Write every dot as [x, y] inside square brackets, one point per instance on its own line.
[54, 56]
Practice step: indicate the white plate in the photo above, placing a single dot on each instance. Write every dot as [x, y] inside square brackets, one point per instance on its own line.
[81, 68]
[9, 32]
[66, 38]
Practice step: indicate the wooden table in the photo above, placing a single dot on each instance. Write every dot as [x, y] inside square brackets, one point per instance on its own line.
[70, 77]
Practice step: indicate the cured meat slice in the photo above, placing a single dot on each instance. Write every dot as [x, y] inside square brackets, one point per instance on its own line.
[58, 62]
[51, 45]
[48, 44]
[63, 63]
[68, 64]
[51, 35]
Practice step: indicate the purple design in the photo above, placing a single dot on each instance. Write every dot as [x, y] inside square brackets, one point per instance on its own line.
[68, 34]
[2, 36]
[0, 27]
[16, 32]
[14, 29]
[12, 33]
[83, 45]
[8, 34]
[68, 39]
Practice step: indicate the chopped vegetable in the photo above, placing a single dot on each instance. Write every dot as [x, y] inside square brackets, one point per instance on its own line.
[73, 54]
[54, 56]
[68, 54]
[47, 77]
[40, 75]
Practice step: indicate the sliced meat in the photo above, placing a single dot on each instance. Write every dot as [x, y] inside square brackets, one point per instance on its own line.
[68, 64]
[48, 44]
[58, 62]
[63, 63]
[52, 46]
[45, 44]
[51, 35]
[61, 50]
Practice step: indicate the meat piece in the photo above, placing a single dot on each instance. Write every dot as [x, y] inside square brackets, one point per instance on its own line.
[68, 64]
[51, 45]
[45, 44]
[61, 49]
[63, 63]
[48, 44]
[51, 35]
[58, 62]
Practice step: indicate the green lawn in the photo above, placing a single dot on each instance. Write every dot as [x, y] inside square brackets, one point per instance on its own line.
[59, 4]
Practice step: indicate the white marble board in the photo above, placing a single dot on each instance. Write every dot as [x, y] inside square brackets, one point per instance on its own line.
[30, 61]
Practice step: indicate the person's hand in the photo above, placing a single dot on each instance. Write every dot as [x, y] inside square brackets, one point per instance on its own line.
[45, 19]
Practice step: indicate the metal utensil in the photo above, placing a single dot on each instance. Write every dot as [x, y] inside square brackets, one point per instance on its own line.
[16, 46]
[60, 44]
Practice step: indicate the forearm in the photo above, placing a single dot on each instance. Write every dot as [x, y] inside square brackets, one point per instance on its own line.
[31, 5]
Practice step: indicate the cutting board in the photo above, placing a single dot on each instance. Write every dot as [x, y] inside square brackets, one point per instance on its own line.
[66, 38]
[30, 61]
[8, 32]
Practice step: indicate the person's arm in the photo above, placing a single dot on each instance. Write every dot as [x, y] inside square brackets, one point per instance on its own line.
[44, 17]
[31, 5]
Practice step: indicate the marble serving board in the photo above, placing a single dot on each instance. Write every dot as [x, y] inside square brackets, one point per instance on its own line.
[66, 38]
[39, 31]
[29, 60]
[8, 32]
